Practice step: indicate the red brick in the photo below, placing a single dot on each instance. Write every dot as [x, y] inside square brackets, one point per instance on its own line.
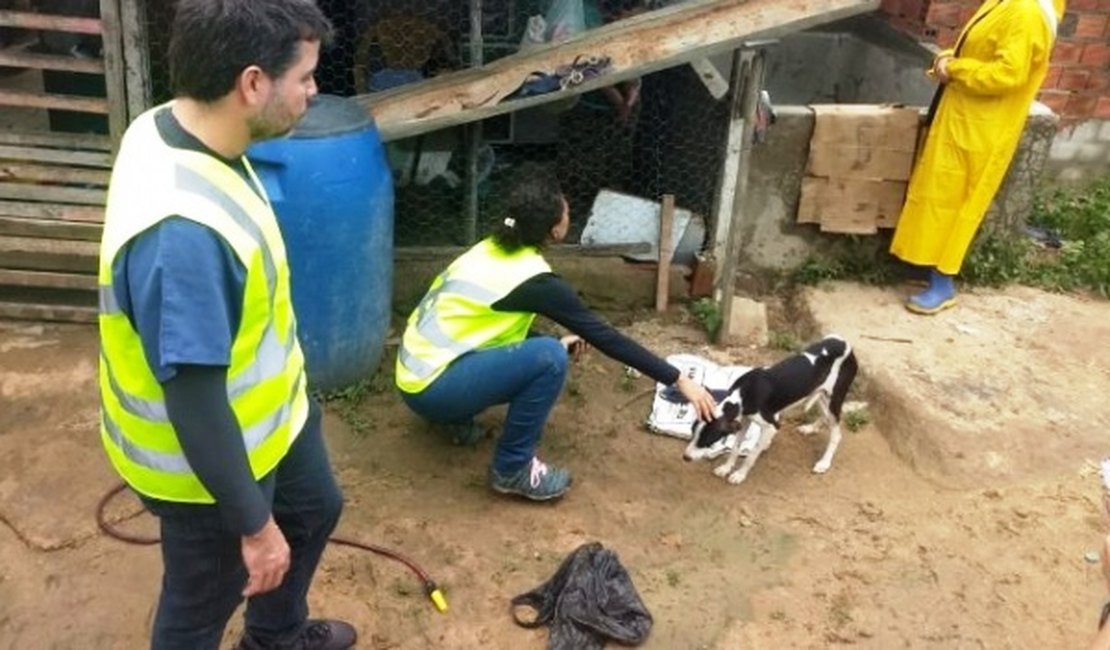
[1074, 79]
[1065, 53]
[1091, 26]
[946, 36]
[1099, 82]
[1055, 100]
[1102, 109]
[1080, 107]
[1096, 55]
[1052, 79]
[1084, 5]
[944, 15]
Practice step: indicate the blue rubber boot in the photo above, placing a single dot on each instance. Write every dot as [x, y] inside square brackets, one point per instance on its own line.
[940, 295]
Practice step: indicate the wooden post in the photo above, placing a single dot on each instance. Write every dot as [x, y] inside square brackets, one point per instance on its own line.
[136, 57]
[726, 184]
[752, 83]
[666, 226]
[114, 81]
[473, 131]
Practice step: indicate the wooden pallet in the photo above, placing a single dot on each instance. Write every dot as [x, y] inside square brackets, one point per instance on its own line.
[52, 193]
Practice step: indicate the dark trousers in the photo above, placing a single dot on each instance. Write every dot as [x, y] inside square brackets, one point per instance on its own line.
[204, 575]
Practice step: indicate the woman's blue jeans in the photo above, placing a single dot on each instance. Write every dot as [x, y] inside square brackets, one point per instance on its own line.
[528, 376]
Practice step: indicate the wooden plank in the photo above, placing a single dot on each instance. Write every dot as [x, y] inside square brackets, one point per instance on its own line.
[63, 102]
[49, 22]
[52, 193]
[55, 174]
[136, 58]
[408, 253]
[663, 275]
[91, 141]
[114, 80]
[753, 72]
[49, 229]
[52, 212]
[48, 279]
[19, 58]
[636, 46]
[64, 156]
[47, 312]
[726, 183]
[26, 253]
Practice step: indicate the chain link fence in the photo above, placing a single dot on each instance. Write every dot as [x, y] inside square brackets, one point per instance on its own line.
[661, 134]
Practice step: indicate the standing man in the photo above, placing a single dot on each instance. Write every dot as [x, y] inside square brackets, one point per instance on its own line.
[204, 409]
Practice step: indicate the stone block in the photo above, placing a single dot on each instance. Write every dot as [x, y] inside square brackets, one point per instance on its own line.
[749, 323]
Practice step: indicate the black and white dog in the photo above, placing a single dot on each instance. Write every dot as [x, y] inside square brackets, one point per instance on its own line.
[821, 373]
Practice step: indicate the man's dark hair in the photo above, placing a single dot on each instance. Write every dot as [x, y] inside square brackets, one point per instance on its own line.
[213, 41]
[535, 206]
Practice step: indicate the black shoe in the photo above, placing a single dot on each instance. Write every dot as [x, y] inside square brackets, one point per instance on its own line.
[318, 634]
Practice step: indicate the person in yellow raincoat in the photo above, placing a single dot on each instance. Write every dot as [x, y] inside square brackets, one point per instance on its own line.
[989, 81]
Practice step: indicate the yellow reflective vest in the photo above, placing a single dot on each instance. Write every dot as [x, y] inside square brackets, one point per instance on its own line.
[266, 383]
[456, 317]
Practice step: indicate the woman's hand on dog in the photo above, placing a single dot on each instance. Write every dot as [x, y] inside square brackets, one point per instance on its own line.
[575, 346]
[698, 396]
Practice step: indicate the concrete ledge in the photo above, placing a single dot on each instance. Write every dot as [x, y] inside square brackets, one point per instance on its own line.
[1008, 386]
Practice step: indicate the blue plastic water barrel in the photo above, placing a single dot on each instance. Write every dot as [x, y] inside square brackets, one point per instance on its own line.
[332, 190]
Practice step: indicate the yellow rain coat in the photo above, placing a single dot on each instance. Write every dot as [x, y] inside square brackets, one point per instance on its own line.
[978, 124]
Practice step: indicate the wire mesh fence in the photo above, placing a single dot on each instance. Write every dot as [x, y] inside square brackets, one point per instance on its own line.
[661, 134]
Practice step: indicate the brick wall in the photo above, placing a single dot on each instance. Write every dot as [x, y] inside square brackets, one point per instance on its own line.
[1078, 83]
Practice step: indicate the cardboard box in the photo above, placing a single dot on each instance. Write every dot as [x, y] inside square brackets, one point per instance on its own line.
[860, 160]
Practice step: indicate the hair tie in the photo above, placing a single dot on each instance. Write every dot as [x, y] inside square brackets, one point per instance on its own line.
[510, 222]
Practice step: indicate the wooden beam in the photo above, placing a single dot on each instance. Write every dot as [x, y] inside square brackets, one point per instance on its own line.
[49, 22]
[61, 102]
[63, 156]
[136, 57]
[49, 229]
[751, 76]
[663, 271]
[57, 140]
[47, 312]
[114, 80]
[54, 174]
[52, 193]
[726, 182]
[48, 279]
[49, 254]
[562, 250]
[52, 211]
[19, 58]
[636, 46]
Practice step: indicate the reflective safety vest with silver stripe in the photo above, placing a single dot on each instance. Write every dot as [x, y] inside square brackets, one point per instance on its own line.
[455, 316]
[266, 384]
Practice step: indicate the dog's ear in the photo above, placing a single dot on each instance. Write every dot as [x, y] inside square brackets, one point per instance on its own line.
[730, 410]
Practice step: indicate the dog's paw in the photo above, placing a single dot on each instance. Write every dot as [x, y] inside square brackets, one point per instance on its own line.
[808, 429]
[737, 477]
[723, 470]
[822, 466]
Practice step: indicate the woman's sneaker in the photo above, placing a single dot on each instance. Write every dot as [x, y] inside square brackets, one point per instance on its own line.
[536, 481]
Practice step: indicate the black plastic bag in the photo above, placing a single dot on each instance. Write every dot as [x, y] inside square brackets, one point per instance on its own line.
[589, 601]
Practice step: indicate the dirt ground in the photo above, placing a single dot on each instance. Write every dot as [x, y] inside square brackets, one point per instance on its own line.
[882, 552]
